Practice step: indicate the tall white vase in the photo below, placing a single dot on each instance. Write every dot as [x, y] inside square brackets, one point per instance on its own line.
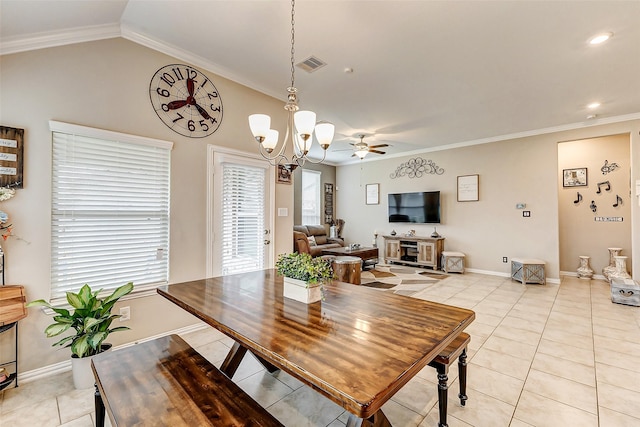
[621, 269]
[613, 252]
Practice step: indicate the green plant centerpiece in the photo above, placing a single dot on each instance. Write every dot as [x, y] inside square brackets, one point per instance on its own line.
[304, 276]
[91, 319]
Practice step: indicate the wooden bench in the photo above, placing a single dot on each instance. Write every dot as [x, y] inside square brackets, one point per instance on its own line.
[165, 382]
[456, 350]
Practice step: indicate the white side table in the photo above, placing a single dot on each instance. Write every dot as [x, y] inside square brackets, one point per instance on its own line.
[528, 270]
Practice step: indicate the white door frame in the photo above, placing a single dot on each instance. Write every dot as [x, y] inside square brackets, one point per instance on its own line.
[213, 270]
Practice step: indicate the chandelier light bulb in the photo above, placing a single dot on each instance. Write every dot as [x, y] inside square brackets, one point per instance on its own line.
[305, 122]
[271, 140]
[362, 153]
[259, 125]
[324, 134]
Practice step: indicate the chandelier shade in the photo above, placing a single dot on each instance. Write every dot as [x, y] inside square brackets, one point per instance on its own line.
[301, 126]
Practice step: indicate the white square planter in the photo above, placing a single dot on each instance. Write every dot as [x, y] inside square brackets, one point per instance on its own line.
[297, 290]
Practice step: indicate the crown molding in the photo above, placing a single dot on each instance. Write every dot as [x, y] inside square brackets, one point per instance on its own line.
[59, 38]
[190, 58]
[517, 135]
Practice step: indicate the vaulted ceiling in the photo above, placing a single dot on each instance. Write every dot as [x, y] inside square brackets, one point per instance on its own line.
[413, 74]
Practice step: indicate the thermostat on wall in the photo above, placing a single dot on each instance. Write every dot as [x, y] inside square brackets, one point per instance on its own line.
[520, 205]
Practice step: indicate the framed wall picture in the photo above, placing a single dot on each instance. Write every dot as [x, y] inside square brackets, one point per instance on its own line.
[373, 194]
[468, 188]
[11, 156]
[284, 175]
[576, 177]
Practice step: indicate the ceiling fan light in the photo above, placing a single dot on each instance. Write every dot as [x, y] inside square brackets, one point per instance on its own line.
[361, 153]
[259, 125]
[305, 122]
[324, 134]
[271, 140]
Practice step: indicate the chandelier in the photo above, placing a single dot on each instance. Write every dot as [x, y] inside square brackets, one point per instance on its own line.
[300, 127]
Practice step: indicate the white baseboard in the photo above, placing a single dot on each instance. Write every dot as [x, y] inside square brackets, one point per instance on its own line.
[61, 367]
[549, 280]
[574, 274]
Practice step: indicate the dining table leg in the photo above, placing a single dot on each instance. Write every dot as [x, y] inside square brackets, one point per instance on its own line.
[376, 420]
[235, 356]
[233, 359]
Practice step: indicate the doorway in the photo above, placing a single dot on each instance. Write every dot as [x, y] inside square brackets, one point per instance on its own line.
[594, 202]
[239, 213]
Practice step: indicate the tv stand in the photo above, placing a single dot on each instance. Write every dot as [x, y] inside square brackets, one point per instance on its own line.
[418, 251]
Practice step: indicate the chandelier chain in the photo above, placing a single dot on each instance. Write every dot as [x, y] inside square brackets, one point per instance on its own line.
[293, 38]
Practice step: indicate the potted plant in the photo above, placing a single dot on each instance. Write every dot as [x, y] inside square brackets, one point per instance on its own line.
[304, 276]
[91, 320]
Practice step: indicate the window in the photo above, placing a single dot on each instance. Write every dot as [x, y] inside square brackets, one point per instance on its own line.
[109, 210]
[310, 197]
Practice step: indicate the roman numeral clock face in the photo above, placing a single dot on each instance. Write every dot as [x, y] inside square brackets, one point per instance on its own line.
[186, 100]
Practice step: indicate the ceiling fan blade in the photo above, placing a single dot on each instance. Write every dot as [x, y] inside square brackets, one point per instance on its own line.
[379, 146]
[376, 151]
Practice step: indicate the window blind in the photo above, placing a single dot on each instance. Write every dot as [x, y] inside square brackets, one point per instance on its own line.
[109, 211]
[310, 197]
[243, 204]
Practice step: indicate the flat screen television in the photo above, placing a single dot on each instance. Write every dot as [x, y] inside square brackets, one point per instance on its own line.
[420, 208]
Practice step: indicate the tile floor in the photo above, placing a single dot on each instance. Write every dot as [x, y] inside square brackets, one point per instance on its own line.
[554, 355]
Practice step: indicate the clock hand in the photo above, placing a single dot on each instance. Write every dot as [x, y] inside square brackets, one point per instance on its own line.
[174, 105]
[190, 86]
[202, 111]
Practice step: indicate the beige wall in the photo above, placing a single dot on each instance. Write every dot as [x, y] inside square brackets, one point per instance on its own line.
[580, 234]
[105, 85]
[521, 170]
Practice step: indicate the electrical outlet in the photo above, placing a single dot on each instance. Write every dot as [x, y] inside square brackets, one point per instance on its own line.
[125, 313]
[505, 259]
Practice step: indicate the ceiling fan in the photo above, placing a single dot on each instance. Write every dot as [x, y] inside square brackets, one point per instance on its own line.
[362, 148]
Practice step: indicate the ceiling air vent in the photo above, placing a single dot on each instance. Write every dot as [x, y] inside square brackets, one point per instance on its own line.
[311, 64]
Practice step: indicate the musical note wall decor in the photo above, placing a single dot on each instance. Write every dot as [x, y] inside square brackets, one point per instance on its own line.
[608, 167]
[618, 201]
[600, 184]
[579, 199]
[593, 206]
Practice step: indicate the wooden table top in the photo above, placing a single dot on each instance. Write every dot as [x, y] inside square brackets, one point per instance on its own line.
[358, 347]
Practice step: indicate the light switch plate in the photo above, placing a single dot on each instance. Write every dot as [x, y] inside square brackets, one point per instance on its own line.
[526, 213]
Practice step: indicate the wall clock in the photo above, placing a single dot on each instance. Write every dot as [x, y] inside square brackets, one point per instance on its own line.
[186, 100]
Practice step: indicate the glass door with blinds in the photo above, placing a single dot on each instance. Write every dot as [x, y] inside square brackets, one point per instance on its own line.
[241, 214]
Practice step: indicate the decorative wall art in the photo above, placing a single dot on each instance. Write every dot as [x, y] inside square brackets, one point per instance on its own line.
[284, 175]
[618, 201]
[593, 206]
[468, 188]
[578, 199]
[608, 167]
[11, 156]
[372, 194]
[602, 184]
[576, 177]
[328, 203]
[416, 168]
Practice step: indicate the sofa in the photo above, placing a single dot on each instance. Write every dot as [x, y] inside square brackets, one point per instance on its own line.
[301, 234]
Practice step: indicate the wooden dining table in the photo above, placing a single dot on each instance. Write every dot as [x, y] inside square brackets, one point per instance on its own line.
[358, 346]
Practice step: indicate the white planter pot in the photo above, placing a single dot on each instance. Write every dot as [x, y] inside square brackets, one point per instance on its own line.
[298, 290]
[82, 372]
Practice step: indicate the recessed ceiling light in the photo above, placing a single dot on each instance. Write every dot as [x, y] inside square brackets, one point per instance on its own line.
[593, 105]
[600, 38]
